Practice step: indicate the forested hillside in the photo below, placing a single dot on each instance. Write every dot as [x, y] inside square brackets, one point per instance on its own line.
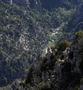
[20, 42]
[29, 27]
[60, 69]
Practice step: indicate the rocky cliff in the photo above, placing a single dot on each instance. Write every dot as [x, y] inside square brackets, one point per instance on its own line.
[58, 70]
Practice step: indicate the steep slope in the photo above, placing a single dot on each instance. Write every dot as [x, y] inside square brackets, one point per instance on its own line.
[60, 69]
[24, 33]
[76, 23]
[19, 40]
[25, 28]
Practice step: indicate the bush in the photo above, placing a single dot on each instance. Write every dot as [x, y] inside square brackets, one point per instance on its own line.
[4, 80]
[79, 34]
[53, 48]
[63, 45]
[76, 87]
[81, 81]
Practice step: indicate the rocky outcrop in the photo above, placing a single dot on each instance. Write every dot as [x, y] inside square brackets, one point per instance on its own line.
[58, 72]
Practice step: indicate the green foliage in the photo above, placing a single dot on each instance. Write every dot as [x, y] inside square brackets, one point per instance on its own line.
[34, 25]
[63, 45]
[53, 48]
[76, 87]
[6, 88]
[78, 35]
[41, 85]
[57, 57]
[81, 81]
[14, 22]
[4, 80]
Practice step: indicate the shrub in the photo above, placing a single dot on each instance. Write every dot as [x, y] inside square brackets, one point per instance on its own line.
[81, 81]
[53, 48]
[78, 35]
[76, 87]
[63, 45]
[4, 80]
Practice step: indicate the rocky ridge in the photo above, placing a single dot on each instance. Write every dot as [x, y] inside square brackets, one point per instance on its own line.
[58, 70]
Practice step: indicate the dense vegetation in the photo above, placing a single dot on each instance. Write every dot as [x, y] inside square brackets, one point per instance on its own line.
[25, 31]
[57, 70]
[21, 27]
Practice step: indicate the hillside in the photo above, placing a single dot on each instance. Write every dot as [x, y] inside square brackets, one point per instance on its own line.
[28, 27]
[74, 24]
[60, 69]
[20, 42]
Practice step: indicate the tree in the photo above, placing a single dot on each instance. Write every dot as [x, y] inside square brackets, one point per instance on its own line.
[4, 80]
[63, 45]
[78, 35]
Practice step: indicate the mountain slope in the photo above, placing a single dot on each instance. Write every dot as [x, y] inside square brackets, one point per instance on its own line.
[74, 24]
[24, 33]
[19, 40]
[26, 29]
[76, 21]
[59, 69]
